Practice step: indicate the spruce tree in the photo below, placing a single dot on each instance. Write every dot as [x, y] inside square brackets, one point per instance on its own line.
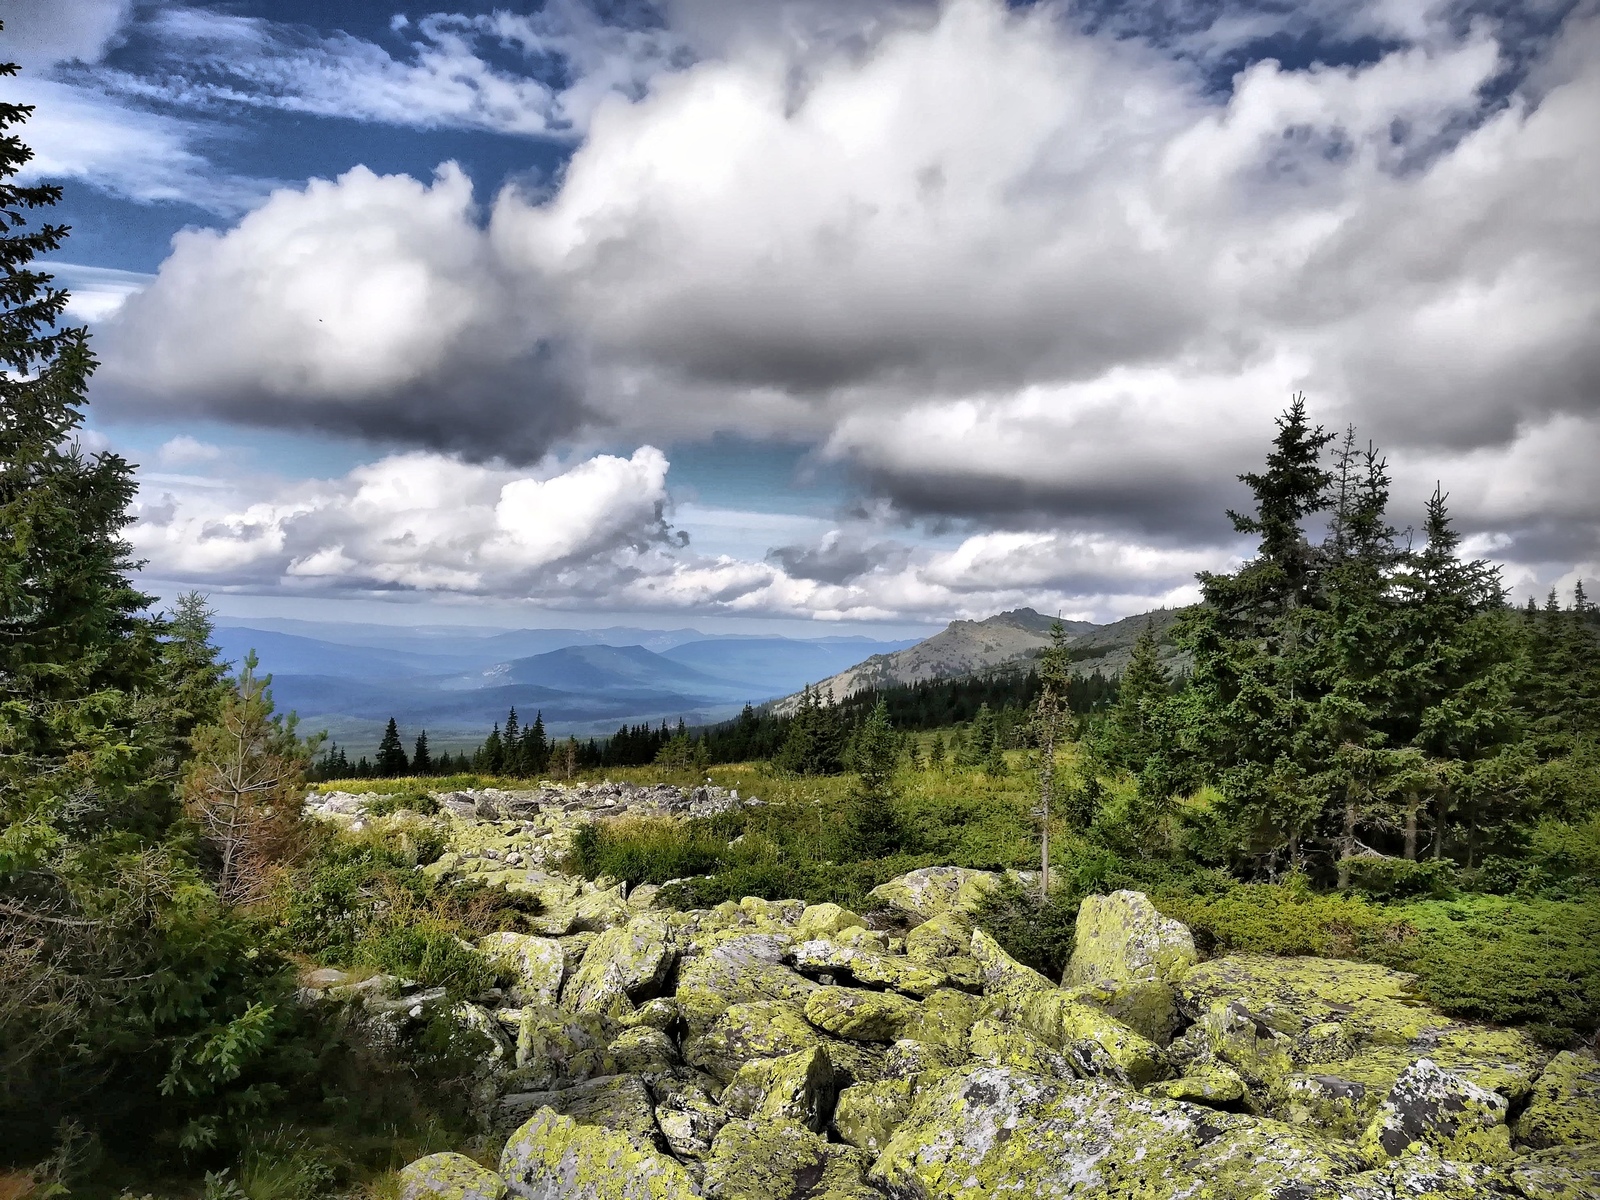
[1243, 716]
[391, 761]
[133, 1004]
[421, 760]
[872, 828]
[1458, 662]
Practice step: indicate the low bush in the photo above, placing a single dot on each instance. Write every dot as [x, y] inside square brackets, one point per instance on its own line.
[1036, 932]
[387, 803]
[1512, 961]
[359, 900]
[1268, 918]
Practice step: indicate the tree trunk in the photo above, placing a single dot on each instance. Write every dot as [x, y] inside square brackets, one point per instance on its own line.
[1347, 843]
[1439, 823]
[1413, 807]
[1047, 776]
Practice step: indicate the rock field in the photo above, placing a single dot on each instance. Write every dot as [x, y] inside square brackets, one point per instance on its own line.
[778, 1051]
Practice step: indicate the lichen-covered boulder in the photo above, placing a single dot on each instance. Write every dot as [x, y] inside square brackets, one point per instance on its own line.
[449, 1177]
[1358, 1022]
[643, 1050]
[945, 1017]
[687, 1114]
[537, 965]
[868, 966]
[1131, 957]
[1215, 1084]
[908, 1058]
[1429, 1109]
[985, 1131]
[560, 1047]
[552, 1157]
[1559, 1173]
[1008, 1045]
[639, 956]
[867, 1114]
[948, 935]
[1260, 1054]
[1004, 978]
[780, 1160]
[1124, 936]
[1565, 1107]
[860, 1015]
[933, 890]
[1416, 1177]
[1290, 995]
[797, 1087]
[1339, 1107]
[660, 1013]
[746, 1032]
[482, 1022]
[620, 1102]
[1097, 1044]
[739, 970]
[826, 920]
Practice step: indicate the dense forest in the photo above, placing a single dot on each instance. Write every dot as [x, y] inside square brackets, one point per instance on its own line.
[1373, 755]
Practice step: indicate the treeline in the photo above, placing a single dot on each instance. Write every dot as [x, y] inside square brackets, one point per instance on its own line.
[754, 735]
[1359, 698]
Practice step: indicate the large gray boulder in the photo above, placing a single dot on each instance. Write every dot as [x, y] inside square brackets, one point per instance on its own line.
[986, 1131]
[552, 1157]
[1130, 958]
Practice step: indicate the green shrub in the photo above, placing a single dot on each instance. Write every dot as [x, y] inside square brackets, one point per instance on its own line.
[1038, 933]
[1265, 918]
[652, 850]
[1512, 961]
[1401, 879]
[393, 802]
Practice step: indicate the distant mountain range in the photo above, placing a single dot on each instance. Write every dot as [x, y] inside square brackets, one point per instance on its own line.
[1001, 642]
[456, 682]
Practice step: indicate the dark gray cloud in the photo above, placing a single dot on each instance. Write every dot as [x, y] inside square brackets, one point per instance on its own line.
[839, 560]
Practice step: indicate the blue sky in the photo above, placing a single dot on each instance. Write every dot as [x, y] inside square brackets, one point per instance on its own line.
[812, 313]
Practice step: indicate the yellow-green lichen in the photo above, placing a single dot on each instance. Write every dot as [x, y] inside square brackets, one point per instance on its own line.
[552, 1155]
[867, 1114]
[1565, 1106]
[449, 1177]
[860, 1015]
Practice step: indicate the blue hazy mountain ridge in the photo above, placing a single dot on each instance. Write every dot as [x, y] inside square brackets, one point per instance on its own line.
[776, 662]
[456, 682]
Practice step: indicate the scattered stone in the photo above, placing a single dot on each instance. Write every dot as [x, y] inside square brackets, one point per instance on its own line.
[639, 956]
[826, 920]
[781, 1160]
[1006, 1045]
[1130, 959]
[1215, 1084]
[797, 1087]
[536, 965]
[1559, 1173]
[985, 1131]
[449, 1177]
[620, 1102]
[1429, 1108]
[552, 1157]
[1565, 1107]
[860, 1015]
[867, 1114]
[934, 890]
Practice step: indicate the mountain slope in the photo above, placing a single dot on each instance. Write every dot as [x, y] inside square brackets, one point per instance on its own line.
[603, 669]
[774, 666]
[1006, 640]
